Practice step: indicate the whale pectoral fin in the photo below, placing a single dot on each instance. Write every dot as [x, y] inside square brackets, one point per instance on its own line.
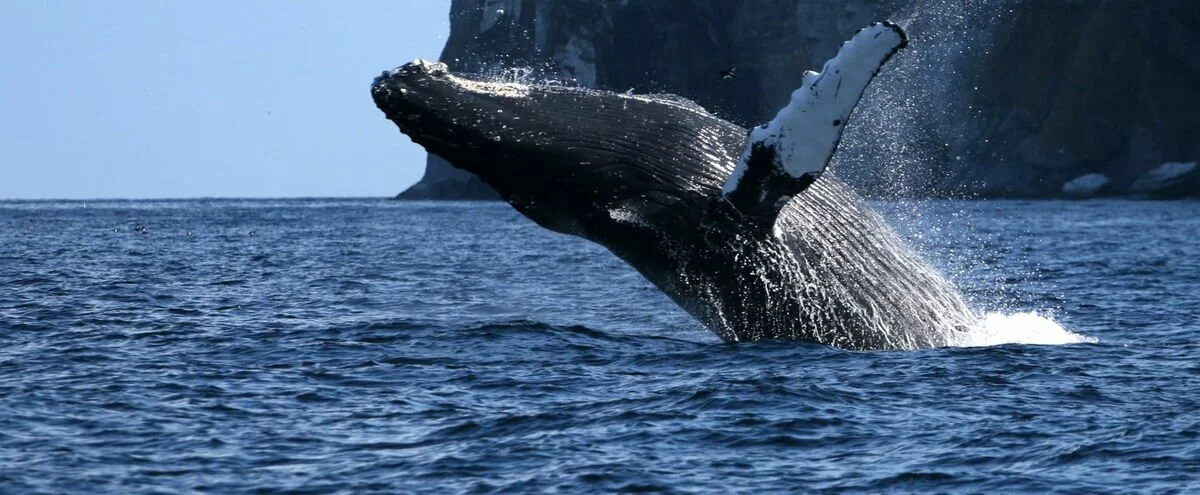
[789, 153]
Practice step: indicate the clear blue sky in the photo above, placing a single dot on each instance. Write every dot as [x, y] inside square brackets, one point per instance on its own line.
[218, 98]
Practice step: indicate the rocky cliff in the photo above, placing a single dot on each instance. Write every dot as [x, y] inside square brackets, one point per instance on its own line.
[993, 98]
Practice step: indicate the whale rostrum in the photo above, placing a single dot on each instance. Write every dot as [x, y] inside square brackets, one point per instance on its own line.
[746, 231]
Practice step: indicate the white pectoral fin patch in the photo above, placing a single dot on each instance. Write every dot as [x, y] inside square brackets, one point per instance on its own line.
[789, 153]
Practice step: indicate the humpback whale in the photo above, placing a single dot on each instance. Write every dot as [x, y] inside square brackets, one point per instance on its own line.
[746, 231]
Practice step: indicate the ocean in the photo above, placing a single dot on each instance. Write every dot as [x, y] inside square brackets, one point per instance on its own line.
[374, 346]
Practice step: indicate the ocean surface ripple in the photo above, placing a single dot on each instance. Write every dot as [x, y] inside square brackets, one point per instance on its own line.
[356, 346]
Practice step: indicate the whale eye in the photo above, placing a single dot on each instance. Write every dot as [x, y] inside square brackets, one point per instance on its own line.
[837, 122]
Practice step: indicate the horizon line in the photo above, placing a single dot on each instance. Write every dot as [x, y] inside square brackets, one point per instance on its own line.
[188, 198]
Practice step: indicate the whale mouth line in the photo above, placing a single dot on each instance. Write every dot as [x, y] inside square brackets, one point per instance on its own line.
[428, 138]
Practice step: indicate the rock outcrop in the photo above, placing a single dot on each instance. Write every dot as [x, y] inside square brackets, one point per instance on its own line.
[993, 98]
[1169, 180]
[1086, 186]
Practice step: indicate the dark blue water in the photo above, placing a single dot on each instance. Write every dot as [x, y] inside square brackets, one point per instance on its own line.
[361, 346]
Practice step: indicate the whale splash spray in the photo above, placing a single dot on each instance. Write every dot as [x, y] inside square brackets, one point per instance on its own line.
[913, 148]
[833, 273]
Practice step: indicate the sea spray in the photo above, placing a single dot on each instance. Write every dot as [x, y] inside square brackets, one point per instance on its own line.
[1019, 328]
[919, 113]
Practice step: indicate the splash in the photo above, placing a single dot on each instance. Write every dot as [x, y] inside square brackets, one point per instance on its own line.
[921, 113]
[920, 108]
[1019, 328]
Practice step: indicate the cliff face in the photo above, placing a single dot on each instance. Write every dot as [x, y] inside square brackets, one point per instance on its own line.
[994, 98]
[1113, 90]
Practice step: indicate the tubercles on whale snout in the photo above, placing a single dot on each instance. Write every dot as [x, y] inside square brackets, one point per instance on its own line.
[401, 80]
[418, 67]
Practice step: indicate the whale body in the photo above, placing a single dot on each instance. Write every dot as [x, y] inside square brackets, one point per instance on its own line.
[745, 231]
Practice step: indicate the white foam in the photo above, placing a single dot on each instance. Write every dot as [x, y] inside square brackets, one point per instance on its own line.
[1019, 328]
[502, 89]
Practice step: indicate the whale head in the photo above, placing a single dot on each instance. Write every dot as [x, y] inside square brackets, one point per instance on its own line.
[577, 161]
[446, 113]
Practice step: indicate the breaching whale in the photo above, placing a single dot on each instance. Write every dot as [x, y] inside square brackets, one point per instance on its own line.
[745, 231]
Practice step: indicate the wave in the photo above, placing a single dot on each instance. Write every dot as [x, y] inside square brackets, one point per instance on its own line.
[1019, 328]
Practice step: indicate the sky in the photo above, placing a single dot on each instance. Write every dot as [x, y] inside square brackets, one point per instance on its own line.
[220, 98]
